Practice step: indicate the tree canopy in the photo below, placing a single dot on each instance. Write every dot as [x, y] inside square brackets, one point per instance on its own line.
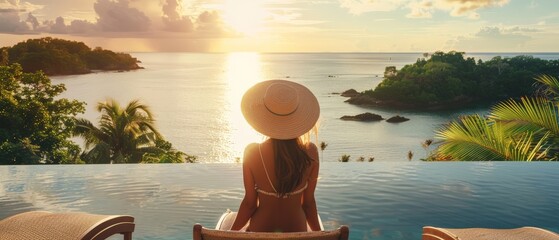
[126, 135]
[62, 57]
[35, 125]
[447, 79]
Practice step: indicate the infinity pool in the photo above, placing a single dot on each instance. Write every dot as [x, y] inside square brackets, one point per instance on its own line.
[376, 200]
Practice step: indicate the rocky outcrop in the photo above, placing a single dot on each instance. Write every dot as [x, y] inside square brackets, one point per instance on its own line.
[363, 117]
[397, 119]
[350, 93]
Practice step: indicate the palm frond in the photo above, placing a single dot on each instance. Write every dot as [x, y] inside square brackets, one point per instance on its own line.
[134, 106]
[84, 128]
[129, 133]
[549, 86]
[524, 149]
[476, 138]
[100, 153]
[470, 138]
[528, 115]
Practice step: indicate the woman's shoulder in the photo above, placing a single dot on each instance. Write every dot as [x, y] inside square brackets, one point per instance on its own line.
[251, 150]
[312, 150]
[311, 146]
[252, 146]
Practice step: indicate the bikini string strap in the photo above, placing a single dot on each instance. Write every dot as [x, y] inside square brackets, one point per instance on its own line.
[266, 171]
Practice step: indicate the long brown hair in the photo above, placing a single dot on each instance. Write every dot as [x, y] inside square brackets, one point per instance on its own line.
[291, 161]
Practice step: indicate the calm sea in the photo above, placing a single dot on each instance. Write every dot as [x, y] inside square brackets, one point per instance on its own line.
[381, 200]
[196, 99]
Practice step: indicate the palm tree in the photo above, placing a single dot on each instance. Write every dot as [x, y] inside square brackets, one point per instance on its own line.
[426, 144]
[524, 130]
[323, 146]
[124, 135]
[344, 158]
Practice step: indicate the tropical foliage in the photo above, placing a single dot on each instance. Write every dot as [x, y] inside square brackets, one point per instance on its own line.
[450, 79]
[62, 57]
[524, 130]
[126, 135]
[35, 123]
[344, 158]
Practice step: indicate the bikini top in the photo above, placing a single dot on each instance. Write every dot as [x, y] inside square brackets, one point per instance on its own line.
[275, 193]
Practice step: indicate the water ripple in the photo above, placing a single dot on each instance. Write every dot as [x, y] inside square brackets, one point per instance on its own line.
[377, 200]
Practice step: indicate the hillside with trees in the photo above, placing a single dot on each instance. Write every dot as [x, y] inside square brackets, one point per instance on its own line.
[448, 80]
[62, 57]
[37, 126]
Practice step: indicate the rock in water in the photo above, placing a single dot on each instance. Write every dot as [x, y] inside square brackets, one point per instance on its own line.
[363, 117]
[350, 93]
[397, 119]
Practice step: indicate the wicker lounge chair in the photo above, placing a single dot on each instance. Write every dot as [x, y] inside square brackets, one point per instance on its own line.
[40, 225]
[523, 233]
[222, 232]
[202, 233]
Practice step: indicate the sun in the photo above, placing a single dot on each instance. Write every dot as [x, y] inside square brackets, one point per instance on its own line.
[244, 16]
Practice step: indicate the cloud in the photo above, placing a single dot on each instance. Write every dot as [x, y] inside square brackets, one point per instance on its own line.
[358, 7]
[422, 8]
[10, 22]
[7, 10]
[171, 9]
[120, 17]
[32, 21]
[468, 8]
[58, 26]
[18, 6]
[494, 39]
[116, 18]
[172, 18]
[82, 27]
[210, 24]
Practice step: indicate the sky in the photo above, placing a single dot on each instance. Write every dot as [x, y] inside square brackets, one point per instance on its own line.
[288, 25]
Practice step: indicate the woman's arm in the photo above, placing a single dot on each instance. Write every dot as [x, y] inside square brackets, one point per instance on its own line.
[250, 201]
[309, 202]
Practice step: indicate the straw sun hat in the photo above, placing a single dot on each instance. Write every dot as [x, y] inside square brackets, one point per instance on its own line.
[280, 109]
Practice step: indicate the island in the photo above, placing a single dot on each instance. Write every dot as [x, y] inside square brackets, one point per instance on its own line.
[363, 117]
[63, 57]
[451, 81]
[397, 119]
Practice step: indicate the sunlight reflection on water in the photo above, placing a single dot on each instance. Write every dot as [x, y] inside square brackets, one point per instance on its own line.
[243, 70]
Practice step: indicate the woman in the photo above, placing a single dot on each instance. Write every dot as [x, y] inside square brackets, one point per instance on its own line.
[280, 174]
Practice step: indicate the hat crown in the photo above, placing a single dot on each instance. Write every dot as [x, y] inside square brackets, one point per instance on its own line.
[280, 109]
[281, 99]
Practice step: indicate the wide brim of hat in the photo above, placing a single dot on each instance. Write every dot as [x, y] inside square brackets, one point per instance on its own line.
[291, 126]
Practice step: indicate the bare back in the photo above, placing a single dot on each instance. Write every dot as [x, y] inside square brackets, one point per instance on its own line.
[273, 213]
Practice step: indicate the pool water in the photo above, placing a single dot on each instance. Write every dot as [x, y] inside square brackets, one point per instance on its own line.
[376, 200]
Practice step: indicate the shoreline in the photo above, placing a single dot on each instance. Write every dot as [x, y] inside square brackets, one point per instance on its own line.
[363, 100]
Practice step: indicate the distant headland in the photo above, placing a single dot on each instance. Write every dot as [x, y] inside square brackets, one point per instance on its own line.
[62, 57]
[449, 81]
